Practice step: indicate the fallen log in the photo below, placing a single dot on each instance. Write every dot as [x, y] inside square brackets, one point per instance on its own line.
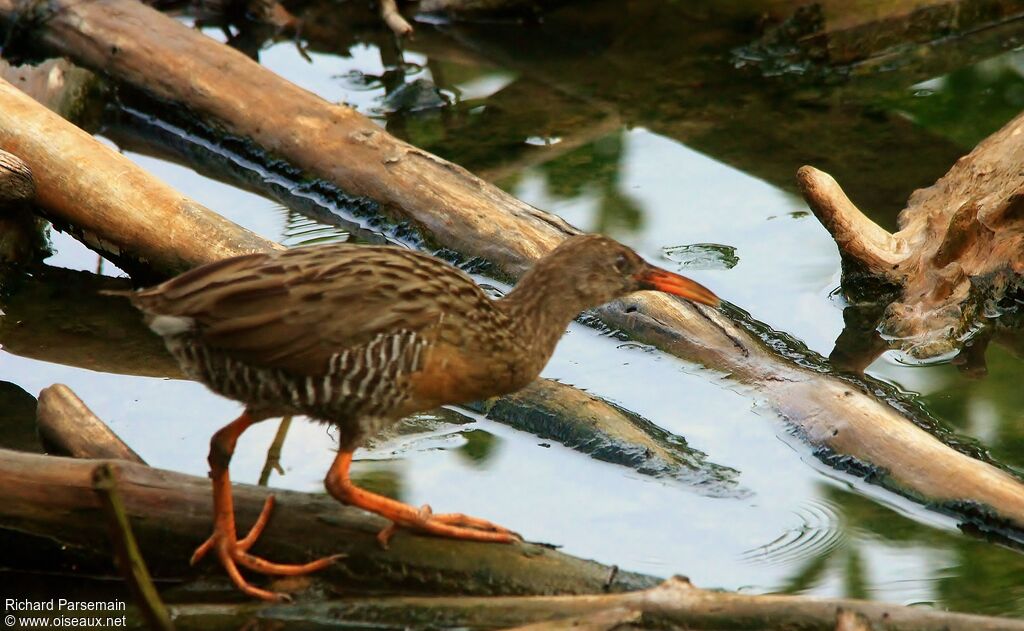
[674, 604]
[22, 237]
[69, 428]
[170, 514]
[383, 177]
[958, 257]
[17, 419]
[98, 200]
[66, 89]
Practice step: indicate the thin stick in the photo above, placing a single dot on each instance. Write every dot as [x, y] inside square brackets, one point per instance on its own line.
[389, 13]
[273, 462]
[126, 551]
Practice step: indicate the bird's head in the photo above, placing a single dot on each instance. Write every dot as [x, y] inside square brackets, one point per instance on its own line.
[603, 269]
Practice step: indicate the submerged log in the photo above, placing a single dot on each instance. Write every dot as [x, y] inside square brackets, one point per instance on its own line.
[170, 514]
[841, 33]
[850, 428]
[958, 257]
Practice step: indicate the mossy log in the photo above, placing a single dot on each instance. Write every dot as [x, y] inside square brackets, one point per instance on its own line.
[958, 257]
[452, 207]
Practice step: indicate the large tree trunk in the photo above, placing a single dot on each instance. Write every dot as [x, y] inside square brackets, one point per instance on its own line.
[850, 428]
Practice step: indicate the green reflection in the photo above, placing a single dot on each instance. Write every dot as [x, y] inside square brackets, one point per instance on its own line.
[990, 409]
[480, 447]
[956, 572]
[970, 103]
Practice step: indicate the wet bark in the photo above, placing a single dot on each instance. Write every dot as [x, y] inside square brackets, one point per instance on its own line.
[22, 236]
[850, 428]
[68, 427]
[958, 256]
[107, 201]
[471, 8]
[170, 514]
[675, 604]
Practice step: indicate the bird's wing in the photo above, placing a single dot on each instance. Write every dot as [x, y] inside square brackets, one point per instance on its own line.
[295, 310]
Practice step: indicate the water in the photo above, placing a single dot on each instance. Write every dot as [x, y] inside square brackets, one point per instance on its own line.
[639, 126]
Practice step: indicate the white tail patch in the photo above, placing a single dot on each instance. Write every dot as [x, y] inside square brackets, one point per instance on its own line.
[166, 325]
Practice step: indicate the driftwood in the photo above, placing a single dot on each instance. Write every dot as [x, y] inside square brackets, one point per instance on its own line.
[959, 254]
[64, 88]
[22, 237]
[53, 497]
[69, 428]
[169, 512]
[105, 190]
[675, 604]
[448, 205]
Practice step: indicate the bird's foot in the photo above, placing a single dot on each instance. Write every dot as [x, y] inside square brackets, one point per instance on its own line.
[452, 525]
[233, 552]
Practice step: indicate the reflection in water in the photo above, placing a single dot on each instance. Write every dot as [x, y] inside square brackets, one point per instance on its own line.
[818, 533]
[866, 540]
[702, 256]
[969, 103]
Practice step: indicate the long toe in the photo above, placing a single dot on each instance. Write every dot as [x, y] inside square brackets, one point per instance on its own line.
[468, 521]
[257, 564]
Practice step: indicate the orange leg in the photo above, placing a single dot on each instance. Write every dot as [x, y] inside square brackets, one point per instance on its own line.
[454, 525]
[231, 551]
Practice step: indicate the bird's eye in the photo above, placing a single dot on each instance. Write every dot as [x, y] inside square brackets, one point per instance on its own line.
[621, 263]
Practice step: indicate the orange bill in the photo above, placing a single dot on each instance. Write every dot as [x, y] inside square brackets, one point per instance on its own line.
[670, 283]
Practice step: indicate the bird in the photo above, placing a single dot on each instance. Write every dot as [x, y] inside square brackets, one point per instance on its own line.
[361, 336]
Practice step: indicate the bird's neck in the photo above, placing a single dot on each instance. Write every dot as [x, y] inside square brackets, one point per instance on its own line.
[541, 306]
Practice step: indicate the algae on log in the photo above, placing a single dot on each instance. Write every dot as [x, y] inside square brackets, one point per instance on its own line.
[958, 257]
[170, 513]
[451, 206]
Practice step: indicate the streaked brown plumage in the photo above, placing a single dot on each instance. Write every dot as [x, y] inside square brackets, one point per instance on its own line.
[361, 336]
